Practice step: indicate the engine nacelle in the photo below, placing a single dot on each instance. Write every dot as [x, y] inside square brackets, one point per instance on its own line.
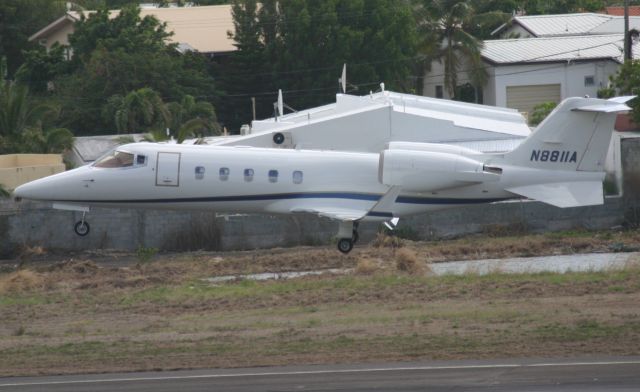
[427, 171]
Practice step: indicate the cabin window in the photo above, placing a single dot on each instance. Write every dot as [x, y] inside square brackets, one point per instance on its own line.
[141, 160]
[297, 177]
[115, 159]
[199, 172]
[224, 173]
[248, 175]
[273, 176]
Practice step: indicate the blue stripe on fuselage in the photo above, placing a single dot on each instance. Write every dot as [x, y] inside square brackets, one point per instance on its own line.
[290, 196]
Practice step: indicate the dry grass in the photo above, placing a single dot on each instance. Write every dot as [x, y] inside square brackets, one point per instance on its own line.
[29, 252]
[384, 240]
[407, 261]
[366, 266]
[21, 281]
[81, 316]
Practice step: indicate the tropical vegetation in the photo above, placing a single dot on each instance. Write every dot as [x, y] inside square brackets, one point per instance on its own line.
[27, 125]
[126, 77]
[626, 82]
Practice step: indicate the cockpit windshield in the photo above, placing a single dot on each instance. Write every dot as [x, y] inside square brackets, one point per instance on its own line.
[115, 159]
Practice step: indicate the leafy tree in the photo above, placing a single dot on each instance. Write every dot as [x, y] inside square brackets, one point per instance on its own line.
[627, 82]
[301, 45]
[41, 67]
[540, 7]
[19, 19]
[117, 56]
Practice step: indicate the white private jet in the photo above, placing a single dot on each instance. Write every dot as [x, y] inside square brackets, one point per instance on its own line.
[561, 163]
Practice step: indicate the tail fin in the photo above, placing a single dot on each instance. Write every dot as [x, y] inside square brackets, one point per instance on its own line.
[575, 136]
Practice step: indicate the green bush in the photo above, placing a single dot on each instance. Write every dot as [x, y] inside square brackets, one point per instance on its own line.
[541, 111]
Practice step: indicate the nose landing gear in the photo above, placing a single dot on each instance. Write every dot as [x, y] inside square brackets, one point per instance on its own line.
[81, 227]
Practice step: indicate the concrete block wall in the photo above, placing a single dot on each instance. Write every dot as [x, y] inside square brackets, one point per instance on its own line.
[35, 224]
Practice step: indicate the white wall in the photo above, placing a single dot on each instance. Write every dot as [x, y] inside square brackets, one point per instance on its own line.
[570, 76]
[435, 77]
[516, 31]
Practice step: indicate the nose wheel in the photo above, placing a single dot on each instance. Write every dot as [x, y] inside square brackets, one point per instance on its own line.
[345, 245]
[81, 227]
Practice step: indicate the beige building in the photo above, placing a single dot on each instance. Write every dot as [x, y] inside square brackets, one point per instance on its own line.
[203, 29]
[18, 169]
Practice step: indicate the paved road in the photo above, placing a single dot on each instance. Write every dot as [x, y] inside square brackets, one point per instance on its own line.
[601, 374]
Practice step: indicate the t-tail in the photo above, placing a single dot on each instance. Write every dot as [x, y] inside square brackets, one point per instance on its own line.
[562, 161]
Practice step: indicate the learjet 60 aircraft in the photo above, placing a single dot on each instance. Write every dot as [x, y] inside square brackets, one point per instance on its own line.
[561, 163]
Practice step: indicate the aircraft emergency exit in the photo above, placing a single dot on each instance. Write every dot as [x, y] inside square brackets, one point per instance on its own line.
[561, 163]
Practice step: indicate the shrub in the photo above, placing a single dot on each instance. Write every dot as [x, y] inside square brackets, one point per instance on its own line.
[407, 261]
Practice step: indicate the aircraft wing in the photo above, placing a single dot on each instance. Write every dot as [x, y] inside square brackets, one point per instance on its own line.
[338, 213]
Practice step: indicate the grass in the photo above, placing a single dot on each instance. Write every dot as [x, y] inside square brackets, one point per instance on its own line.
[161, 314]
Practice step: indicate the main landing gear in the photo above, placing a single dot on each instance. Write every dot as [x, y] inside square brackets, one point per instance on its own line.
[82, 227]
[347, 236]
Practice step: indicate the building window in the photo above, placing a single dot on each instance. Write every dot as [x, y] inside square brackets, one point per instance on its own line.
[589, 81]
[248, 175]
[224, 173]
[439, 92]
[297, 177]
[273, 176]
[199, 172]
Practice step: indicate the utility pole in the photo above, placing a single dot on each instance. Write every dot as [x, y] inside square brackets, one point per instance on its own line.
[253, 107]
[627, 39]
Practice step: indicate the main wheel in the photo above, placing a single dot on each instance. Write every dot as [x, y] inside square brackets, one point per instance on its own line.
[345, 245]
[81, 228]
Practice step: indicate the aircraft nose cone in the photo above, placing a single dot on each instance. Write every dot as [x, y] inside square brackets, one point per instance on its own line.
[25, 191]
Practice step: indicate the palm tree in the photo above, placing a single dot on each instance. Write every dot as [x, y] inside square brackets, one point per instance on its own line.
[141, 110]
[193, 118]
[24, 124]
[447, 27]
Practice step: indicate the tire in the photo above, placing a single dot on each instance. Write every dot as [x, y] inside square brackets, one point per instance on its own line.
[81, 228]
[278, 138]
[345, 245]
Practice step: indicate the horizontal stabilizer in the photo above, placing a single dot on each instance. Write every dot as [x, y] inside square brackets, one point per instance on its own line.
[619, 107]
[568, 194]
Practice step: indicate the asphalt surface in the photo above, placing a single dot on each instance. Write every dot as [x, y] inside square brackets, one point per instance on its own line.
[593, 374]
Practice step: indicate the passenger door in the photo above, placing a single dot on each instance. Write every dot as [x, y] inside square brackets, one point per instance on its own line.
[168, 169]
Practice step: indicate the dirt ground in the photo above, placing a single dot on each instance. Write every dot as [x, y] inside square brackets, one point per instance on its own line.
[110, 311]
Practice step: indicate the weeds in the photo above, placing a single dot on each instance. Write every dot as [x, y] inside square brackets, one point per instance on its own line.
[366, 266]
[384, 240]
[21, 281]
[407, 261]
[145, 255]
